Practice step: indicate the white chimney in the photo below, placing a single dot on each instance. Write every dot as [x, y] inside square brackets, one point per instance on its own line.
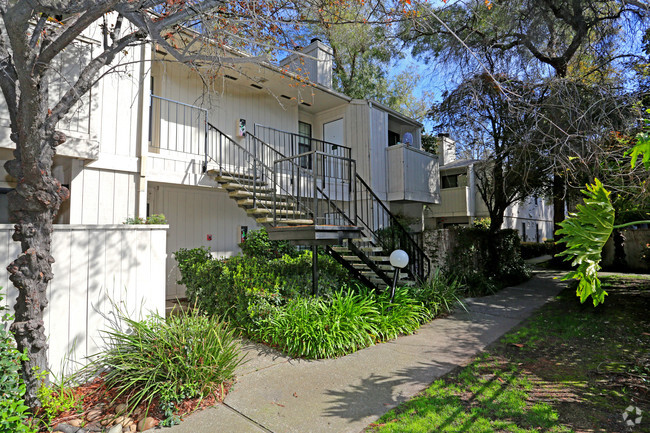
[446, 149]
[315, 63]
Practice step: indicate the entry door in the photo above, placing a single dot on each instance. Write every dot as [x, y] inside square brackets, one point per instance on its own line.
[333, 133]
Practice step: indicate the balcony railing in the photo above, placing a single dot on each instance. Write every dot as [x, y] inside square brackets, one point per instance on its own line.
[176, 127]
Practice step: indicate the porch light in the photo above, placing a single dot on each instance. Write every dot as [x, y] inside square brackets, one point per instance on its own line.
[399, 259]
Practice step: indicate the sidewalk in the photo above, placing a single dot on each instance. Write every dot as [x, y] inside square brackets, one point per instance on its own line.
[277, 394]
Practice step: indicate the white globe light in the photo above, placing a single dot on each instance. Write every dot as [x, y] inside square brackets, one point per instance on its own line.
[399, 259]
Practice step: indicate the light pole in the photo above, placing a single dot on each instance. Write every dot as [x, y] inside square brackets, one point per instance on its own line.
[398, 259]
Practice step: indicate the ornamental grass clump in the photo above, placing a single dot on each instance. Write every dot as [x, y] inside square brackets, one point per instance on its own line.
[167, 360]
[348, 321]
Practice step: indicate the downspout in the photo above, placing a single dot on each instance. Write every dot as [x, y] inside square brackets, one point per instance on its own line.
[142, 139]
[471, 196]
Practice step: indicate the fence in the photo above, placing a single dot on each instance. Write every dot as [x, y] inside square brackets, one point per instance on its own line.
[97, 269]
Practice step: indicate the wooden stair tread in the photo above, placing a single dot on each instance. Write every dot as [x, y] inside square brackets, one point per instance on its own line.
[266, 211]
[268, 203]
[266, 220]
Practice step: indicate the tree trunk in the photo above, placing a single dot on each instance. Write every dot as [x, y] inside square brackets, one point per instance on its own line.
[620, 260]
[33, 204]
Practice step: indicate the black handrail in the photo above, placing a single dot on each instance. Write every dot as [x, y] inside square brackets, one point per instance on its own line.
[392, 235]
[289, 143]
[250, 159]
[377, 218]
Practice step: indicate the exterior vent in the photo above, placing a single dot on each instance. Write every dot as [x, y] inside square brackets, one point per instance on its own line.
[230, 77]
[285, 96]
[257, 86]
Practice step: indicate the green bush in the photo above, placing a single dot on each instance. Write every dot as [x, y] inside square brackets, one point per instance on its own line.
[440, 294]
[151, 219]
[484, 262]
[244, 288]
[14, 414]
[348, 321]
[257, 244]
[185, 356]
[531, 250]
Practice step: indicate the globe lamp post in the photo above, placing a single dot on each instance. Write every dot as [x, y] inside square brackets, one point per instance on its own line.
[398, 259]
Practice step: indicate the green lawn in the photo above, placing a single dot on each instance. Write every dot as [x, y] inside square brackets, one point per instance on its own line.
[569, 368]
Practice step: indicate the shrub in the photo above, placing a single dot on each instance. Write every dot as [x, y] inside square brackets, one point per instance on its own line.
[440, 294]
[348, 321]
[244, 288]
[484, 261]
[185, 356]
[531, 250]
[14, 414]
[257, 244]
[151, 219]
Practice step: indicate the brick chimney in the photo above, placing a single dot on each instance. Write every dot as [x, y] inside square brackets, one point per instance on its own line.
[315, 63]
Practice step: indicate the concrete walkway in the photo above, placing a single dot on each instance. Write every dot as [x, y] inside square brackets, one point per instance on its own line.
[278, 394]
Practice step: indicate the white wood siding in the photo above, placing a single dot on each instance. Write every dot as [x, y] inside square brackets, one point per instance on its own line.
[379, 143]
[102, 196]
[95, 267]
[193, 214]
[413, 175]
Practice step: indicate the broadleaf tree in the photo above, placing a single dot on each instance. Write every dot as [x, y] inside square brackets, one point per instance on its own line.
[33, 34]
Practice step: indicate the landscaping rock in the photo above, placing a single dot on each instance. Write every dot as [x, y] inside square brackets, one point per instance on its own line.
[75, 422]
[116, 429]
[93, 414]
[146, 423]
[94, 427]
[120, 409]
[67, 428]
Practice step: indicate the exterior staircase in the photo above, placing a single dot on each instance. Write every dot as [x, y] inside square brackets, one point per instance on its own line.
[309, 199]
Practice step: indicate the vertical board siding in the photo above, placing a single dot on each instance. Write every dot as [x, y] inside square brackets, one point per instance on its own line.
[97, 269]
[106, 196]
[194, 213]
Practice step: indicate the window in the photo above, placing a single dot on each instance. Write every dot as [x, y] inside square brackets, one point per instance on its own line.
[304, 143]
[450, 181]
[393, 138]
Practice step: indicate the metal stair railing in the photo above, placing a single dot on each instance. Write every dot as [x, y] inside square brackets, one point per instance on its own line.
[378, 222]
[248, 159]
[291, 143]
[331, 197]
[388, 232]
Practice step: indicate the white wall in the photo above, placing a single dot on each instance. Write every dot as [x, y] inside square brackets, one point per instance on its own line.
[193, 213]
[95, 265]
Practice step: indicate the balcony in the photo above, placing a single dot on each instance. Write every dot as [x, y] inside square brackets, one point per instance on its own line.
[413, 175]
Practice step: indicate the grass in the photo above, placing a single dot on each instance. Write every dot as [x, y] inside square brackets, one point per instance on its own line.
[569, 368]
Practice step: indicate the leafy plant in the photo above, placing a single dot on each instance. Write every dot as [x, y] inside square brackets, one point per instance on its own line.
[585, 234]
[440, 294]
[14, 414]
[185, 356]
[642, 148]
[257, 244]
[151, 219]
[56, 399]
[243, 288]
[348, 321]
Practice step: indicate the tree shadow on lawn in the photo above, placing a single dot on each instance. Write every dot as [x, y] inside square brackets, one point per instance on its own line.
[375, 394]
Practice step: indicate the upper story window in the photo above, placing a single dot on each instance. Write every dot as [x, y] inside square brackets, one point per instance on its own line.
[450, 181]
[454, 180]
